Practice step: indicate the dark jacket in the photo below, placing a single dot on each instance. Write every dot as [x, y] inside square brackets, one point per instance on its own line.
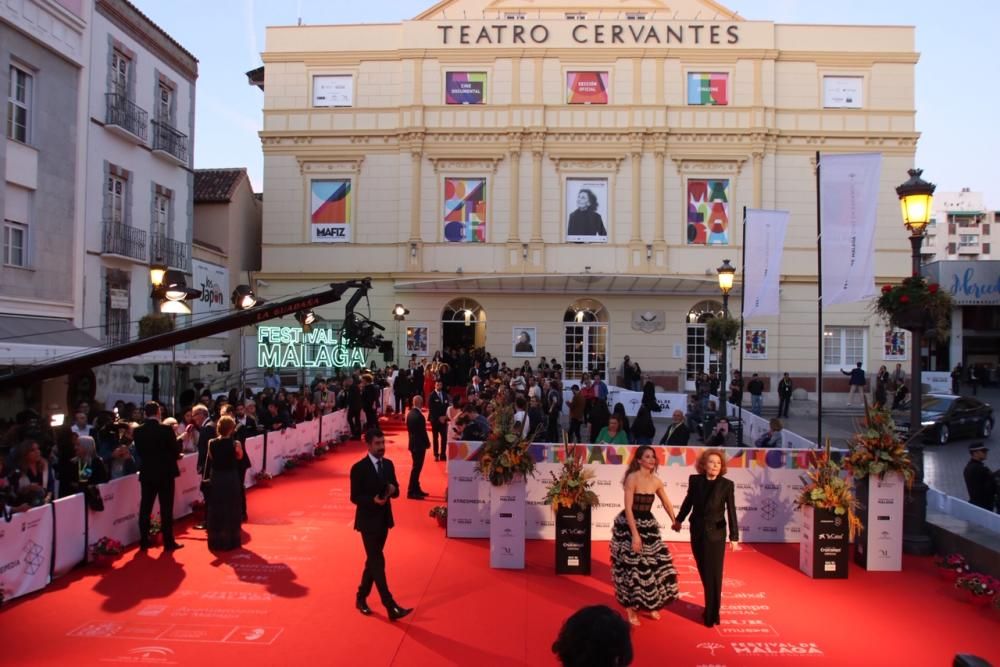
[416, 426]
[755, 387]
[980, 484]
[680, 435]
[205, 434]
[437, 407]
[857, 376]
[365, 485]
[158, 449]
[785, 388]
[711, 512]
[585, 223]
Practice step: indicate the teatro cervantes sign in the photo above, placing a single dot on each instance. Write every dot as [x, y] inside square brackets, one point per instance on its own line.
[634, 33]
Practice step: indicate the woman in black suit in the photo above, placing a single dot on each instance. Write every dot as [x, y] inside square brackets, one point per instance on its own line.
[711, 501]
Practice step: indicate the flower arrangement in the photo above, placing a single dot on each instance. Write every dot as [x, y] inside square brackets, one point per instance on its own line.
[825, 488]
[107, 547]
[574, 485]
[155, 526]
[305, 457]
[720, 331]
[954, 562]
[439, 512]
[915, 303]
[877, 450]
[321, 449]
[504, 454]
[262, 477]
[291, 464]
[978, 584]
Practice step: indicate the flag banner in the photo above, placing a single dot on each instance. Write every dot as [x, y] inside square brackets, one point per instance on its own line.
[765, 242]
[848, 205]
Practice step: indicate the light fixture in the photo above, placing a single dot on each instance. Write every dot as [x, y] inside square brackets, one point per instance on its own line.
[579, 316]
[726, 274]
[175, 287]
[399, 312]
[413, 250]
[649, 251]
[305, 317]
[157, 271]
[524, 251]
[57, 420]
[244, 298]
[692, 317]
[468, 317]
[915, 198]
[171, 307]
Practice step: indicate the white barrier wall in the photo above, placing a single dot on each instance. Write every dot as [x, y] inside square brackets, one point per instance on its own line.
[120, 518]
[255, 450]
[767, 482]
[71, 534]
[26, 552]
[187, 487]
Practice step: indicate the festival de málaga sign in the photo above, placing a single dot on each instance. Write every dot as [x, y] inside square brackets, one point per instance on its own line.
[290, 347]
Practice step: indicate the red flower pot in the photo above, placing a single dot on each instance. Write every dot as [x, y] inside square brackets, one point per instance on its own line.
[948, 575]
[104, 560]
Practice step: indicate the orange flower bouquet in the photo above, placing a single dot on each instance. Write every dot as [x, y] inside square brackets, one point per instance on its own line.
[574, 485]
[825, 488]
[877, 450]
[504, 454]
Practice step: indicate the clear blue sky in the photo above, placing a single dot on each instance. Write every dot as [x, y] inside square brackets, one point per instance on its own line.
[959, 146]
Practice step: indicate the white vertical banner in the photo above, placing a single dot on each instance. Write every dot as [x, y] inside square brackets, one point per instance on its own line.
[507, 525]
[848, 194]
[255, 450]
[765, 243]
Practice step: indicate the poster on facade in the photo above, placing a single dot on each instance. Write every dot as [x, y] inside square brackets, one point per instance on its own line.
[213, 281]
[525, 341]
[330, 210]
[465, 88]
[894, 345]
[335, 90]
[755, 344]
[842, 92]
[587, 204]
[465, 210]
[416, 340]
[708, 88]
[708, 211]
[586, 87]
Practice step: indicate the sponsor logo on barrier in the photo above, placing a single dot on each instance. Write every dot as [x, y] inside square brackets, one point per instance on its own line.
[786, 649]
[830, 536]
[770, 487]
[829, 566]
[830, 551]
[883, 517]
[34, 557]
[505, 515]
[886, 501]
[123, 519]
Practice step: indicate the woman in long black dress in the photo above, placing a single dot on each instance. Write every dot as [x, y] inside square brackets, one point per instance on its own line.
[224, 500]
[641, 567]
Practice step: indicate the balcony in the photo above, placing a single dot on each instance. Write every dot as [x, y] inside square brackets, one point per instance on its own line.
[124, 241]
[172, 253]
[125, 118]
[169, 144]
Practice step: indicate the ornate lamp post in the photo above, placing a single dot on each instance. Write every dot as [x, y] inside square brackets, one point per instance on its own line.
[727, 272]
[915, 197]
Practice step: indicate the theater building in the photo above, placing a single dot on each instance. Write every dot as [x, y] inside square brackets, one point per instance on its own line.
[563, 181]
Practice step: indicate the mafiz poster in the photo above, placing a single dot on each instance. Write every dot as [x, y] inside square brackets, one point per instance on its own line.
[708, 211]
[894, 345]
[330, 211]
[587, 206]
[755, 344]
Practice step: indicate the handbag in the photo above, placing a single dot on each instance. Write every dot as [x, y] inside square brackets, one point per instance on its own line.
[93, 497]
[206, 477]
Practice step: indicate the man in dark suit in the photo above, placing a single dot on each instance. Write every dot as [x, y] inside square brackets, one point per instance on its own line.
[437, 411]
[158, 450]
[373, 485]
[206, 431]
[354, 401]
[678, 432]
[416, 427]
[711, 501]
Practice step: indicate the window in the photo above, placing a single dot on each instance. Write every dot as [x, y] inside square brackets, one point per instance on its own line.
[15, 244]
[120, 64]
[966, 240]
[18, 104]
[843, 347]
[115, 199]
[116, 307]
[164, 102]
[161, 213]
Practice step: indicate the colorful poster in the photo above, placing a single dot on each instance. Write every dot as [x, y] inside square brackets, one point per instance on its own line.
[755, 344]
[587, 206]
[586, 87]
[709, 89]
[708, 211]
[894, 345]
[465, 210]
[330, 211]
[416, 340]
[333, 91]
[465, 88]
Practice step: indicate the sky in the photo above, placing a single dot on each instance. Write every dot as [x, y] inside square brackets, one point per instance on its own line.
[959, 147]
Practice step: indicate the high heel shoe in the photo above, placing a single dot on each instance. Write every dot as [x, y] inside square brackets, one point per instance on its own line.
[655, 615]
[633, 618]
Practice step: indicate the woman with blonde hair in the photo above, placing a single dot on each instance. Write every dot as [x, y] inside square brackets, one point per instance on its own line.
[222, 475]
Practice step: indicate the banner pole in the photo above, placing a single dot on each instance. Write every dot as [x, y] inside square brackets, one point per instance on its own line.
[819, 308]
[743, 301]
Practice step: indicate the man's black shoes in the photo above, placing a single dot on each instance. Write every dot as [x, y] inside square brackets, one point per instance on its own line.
[396, 612]
[363, 607]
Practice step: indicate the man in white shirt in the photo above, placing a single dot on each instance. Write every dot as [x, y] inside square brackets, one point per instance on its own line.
[80, 425]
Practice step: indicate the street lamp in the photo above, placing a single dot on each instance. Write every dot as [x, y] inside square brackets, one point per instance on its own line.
[915, 197]
[727, 272]
[170, 291]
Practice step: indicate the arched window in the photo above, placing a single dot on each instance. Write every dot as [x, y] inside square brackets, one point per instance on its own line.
[585, 339]
[463, 324]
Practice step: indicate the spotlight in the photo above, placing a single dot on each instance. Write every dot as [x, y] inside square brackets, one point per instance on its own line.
[244, 298]
[399, 312]
[175, 287]
[306, 318]
[171, 307]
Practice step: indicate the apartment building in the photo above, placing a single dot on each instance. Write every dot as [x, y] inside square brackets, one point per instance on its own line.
[962, 228]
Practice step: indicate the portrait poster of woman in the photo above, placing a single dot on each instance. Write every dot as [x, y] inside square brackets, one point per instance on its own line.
[524, 341]
[587, 210]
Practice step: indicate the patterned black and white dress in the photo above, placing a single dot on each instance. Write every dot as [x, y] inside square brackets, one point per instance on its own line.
[648, 580]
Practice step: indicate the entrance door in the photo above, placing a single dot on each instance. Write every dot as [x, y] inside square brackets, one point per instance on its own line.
[700, 359]
[585, 340]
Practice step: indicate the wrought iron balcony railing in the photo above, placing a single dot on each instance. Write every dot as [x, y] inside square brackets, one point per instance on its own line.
[124, 240]
[172, 253]
[126, 114]
[167, 139]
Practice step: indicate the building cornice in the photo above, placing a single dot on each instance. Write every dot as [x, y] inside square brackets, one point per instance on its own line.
[140, 28]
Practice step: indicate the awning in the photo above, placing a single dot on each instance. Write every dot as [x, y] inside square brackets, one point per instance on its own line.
[587, 283]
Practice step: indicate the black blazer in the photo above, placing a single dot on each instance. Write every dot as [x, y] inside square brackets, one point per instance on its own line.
[416, 426]
[680, 435]
[437, 407]
[711, 512]
[158, 450]
[205, 434]
[365, 485]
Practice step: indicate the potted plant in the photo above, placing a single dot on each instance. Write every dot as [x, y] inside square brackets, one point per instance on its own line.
[915, 303]
[978, 588]
[105, 551]
[952, 566]
[262, 478]
[155, 530]
[571, 495]
[155, 324]
[829, 519]
[290, 464]
[440, 512]
[880, 465]
[720, 331]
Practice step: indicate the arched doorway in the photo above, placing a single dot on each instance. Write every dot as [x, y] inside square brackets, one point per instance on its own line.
[585, 339]
[700, 359]
[463, 325]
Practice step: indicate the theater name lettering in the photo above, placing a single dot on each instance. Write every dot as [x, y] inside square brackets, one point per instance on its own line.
[289, 347]
[634, 33]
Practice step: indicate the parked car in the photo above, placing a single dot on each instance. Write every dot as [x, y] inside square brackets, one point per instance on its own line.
[944, 416]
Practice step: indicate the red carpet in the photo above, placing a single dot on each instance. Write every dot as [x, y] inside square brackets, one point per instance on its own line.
[287, 598]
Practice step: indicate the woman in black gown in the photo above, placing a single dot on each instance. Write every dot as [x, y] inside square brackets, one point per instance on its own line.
[224, 499]
[641, 567]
